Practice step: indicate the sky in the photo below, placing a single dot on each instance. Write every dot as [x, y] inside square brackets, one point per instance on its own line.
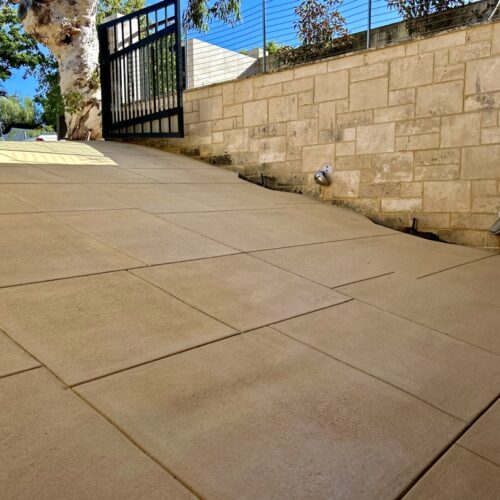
[248, 34]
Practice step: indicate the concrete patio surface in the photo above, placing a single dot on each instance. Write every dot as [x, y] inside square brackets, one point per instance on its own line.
[168, 331]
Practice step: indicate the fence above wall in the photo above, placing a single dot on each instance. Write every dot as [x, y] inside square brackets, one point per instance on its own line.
[227, 52]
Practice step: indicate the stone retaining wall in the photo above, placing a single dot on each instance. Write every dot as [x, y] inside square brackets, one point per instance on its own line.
[412, 131]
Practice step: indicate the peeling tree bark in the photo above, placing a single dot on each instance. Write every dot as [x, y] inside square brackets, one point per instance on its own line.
[68, 29]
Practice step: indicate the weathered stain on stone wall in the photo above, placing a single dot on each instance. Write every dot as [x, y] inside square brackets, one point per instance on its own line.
[412, 130]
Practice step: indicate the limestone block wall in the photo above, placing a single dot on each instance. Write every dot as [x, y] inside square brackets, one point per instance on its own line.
[412, 131]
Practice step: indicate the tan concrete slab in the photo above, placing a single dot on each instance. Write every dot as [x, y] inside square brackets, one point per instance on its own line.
[12, 358]
[36, 247]
[262, 416]
[10, 205]
[481, 278]
[451, 375]
[94, 174]
[189, 176]
[483, 438]
[152, 198]
[87, 327]
[26, 175]
[55, 446]
[344, 262]
[144, 237]
[72, 147]
[251, 230]
[459, 475]
[240, 290]
[61, 197]
[6, 159]
[462, 315]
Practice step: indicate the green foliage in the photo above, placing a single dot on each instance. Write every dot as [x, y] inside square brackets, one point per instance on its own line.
[15, 112]
[199, 13]
[273, 47]
[321, 29]
[108, 7]
[17, 49]
[416, 12]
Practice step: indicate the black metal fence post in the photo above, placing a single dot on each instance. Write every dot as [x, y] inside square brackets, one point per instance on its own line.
[264, 34]
[369, 27]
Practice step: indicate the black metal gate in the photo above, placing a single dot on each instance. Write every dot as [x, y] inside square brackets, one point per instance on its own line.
[141, 73]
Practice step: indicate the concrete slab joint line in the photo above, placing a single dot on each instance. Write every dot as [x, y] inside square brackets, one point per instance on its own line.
[170, 331]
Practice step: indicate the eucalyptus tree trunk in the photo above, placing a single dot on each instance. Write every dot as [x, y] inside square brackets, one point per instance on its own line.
[68, 29]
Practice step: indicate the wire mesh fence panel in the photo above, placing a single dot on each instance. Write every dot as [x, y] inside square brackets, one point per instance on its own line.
[268, 36]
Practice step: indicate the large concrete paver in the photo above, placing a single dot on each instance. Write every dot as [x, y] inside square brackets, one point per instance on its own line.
[144, 237]
[343, 262]
[459, 475]
[11, 205]
[241, 291]
[190, 176]
[26, 175]
[84, 328]
[154, 198]
[483, 438]
[449, 374]
[265, 229]
[456, 312]
[37, 247]
[59, 197]
[12, 358]
[94, 174]
[55, 446]
[262, 416]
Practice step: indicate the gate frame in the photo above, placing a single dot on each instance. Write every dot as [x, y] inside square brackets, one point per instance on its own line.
[105, 59]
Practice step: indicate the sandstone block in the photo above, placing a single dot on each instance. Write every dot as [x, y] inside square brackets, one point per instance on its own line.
[369, 94]
[489, 118]
[471, 221]
[484, 188]
[416, 142]
[243, 90]
[302, 133]
[478, 34]
[437, 173]
[345, 149]
[233, 110]
[369, 71]
[265, 91]
[282, 109]
[495, 48]
[310, 70]
[401, 205]
[481, 162]
[437, 157]
[327, 115]
[490, 135]
[278, 77]
[314, 157]
[255, 113]
[486, 204]
[228, 94]
[345, 62]
[460, 130]
[441, 41]
[482, 75]
[236, 140]
[411, 71]
[449, 72]
[296, 86]
[447, 196]
[354, 119]
[375, 138]
[224, 124]
[331, 86]
[211, 108]
[386, 54]
[403, 96]
[411, 189]
[395, 167]
[345, 184]
[418, 126]
[200, 133]
[440, 99]
[486, 101]
[470, 51]
[394, 113]
[270, 149]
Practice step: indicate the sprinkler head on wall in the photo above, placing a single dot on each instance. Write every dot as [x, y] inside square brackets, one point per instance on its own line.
[495, 229]
[322, 176]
